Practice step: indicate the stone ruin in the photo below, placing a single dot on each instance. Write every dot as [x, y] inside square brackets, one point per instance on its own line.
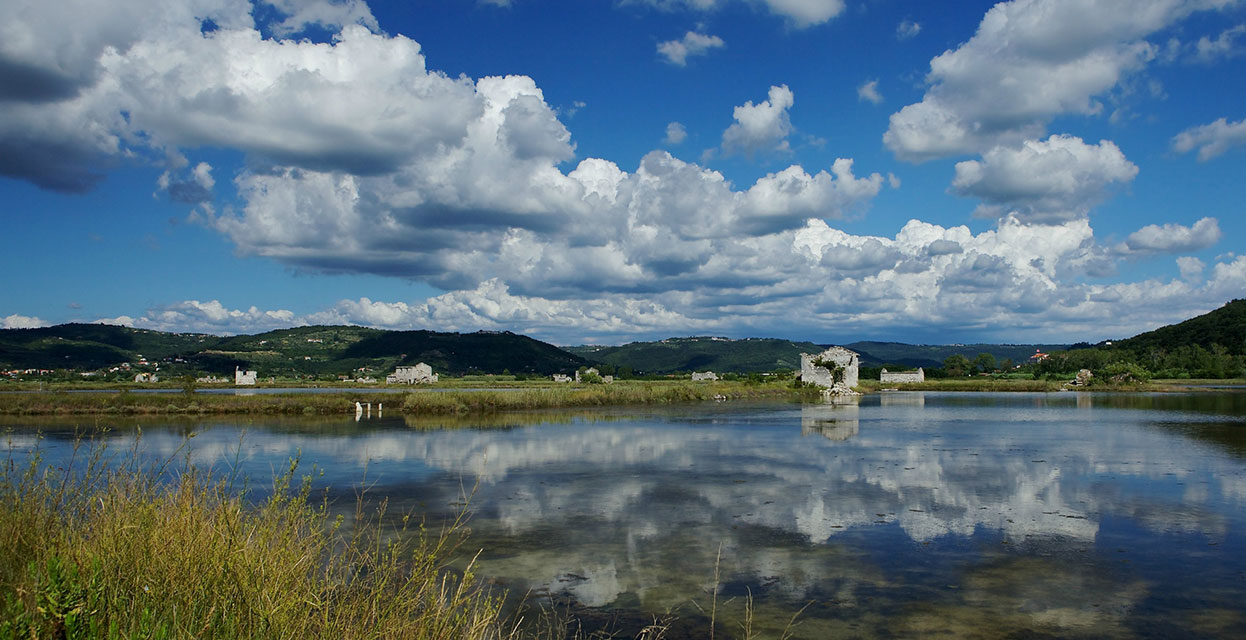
[708, 375]
[836, 370]
[1083, 378]
[244, 378]
[594, 371]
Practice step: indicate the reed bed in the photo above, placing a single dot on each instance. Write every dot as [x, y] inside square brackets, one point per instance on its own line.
[418, 402]
[111, 551]
[643, 393]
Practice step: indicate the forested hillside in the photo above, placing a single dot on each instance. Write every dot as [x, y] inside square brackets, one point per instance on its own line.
[1212, 345]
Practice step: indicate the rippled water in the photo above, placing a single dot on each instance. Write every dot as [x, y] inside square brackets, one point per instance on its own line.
[906, 514]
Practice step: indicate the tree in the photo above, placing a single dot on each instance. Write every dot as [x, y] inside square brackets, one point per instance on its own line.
[957, 365]
[985, 362]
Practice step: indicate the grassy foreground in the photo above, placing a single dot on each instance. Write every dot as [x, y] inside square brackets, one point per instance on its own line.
[113, 553]
[417, 402]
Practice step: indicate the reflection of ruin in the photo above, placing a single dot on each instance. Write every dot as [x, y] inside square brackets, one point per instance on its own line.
[837, 420]
[902, 399]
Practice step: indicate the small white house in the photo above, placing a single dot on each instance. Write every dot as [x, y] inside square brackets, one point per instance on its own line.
[708, 375]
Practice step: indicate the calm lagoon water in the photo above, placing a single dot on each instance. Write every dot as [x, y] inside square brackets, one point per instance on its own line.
[903, 515]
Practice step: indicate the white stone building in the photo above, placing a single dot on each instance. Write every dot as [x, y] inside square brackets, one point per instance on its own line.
[418, 374]
[902, 376]
[708, 375]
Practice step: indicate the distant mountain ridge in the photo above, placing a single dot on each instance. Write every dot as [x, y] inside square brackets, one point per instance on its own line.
[700, 353]
[877, 354]
[754, 355]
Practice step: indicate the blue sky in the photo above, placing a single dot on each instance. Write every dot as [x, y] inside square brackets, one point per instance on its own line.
[605, 171]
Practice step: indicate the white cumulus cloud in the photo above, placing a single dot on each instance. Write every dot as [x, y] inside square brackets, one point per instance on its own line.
[761, 127]
[1029, 61]
[1056, 179]
[676, 52]
[1190, 267]
[1211, 139]
[1174, 238]
[869, 92]
[675, 133]
[17, 321]
[799, 13]
[1225, 45]
[208, 317]
[907, 29]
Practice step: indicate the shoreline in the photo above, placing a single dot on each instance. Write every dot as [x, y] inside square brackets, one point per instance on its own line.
[460, 400]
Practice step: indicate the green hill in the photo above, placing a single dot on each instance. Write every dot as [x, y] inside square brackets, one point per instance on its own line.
[91, 346]
[460, 353]
[1224, 328]
[302, 351]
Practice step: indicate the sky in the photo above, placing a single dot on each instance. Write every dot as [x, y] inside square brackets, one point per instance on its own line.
[602, 171]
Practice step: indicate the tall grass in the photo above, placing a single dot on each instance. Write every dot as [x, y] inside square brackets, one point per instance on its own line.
[638, 393]
[106, 551]
[536, 395]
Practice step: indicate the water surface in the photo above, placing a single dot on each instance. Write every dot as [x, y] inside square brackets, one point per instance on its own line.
[906, 514]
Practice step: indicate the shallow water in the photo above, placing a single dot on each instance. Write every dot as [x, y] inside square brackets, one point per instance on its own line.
[906, 514]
